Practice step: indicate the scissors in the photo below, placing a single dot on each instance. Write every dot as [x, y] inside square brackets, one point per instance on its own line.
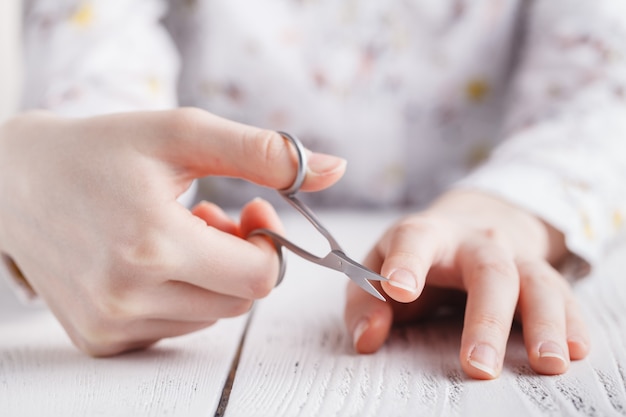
[335, 259]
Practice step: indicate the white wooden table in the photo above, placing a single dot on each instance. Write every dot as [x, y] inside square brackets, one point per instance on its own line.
[296, 358]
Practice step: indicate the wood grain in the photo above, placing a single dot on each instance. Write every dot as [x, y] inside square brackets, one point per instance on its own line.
[42, 374]
[298, 359]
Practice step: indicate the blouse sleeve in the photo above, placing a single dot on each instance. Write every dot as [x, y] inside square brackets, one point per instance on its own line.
[564, 153]
[85, 57]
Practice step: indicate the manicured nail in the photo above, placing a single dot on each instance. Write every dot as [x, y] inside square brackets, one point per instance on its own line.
[484, 358]
[551, 350]
[322, 164]
[360, 328]
[577, 347]
[403, 279]
[579, 341]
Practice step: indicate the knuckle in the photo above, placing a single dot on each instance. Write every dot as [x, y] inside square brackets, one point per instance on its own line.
[114, 310]
[100, 337]
[265, 144]
[148, 255]
[545, 326]
[100, 347]
[115, 303]
[490, 233]
[493, 324]
[493, 237]
[424, 225]
[102, 328]
[262, 286]
[406, 259]
[489, 267]
[144, 254]
[263, 279]
[540, 274]
[531, 276]
[86, 345]
[418, 224]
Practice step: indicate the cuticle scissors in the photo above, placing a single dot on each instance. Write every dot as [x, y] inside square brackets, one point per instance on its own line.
[335, 259]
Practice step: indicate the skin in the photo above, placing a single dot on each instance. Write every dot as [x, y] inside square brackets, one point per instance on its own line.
[472, 248]
[89, 214]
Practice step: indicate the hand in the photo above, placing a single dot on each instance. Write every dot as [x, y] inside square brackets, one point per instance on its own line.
[89, 214]
[500, 256]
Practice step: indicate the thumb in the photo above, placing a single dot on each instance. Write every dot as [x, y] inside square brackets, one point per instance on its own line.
[204, 144]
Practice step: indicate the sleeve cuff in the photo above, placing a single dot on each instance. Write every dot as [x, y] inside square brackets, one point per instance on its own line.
[569, 172]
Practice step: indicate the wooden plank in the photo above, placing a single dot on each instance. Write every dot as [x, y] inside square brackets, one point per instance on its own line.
[42, 374]
[298, 359]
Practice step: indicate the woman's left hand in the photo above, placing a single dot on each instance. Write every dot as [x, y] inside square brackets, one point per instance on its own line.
[501, 257]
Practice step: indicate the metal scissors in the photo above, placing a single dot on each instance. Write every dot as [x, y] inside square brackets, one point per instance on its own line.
[335, 259]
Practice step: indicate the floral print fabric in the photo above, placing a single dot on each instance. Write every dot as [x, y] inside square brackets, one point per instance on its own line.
[522, 99]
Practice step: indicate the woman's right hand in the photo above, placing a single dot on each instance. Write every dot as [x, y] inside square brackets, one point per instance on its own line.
[89, 214]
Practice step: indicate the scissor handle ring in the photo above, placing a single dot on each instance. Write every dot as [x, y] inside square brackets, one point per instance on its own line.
[302, 164]
[282, 261]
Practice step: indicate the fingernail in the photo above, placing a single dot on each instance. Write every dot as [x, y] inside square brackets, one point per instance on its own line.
[551, 350]
[322, 164]
[484, 358]
[578, 342]
[403, 279]
[360, 328]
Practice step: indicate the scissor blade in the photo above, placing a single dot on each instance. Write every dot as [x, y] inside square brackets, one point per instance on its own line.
[367, 286]
[358, 273]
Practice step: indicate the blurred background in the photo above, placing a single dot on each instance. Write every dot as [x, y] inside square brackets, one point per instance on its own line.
[10, 79]
[10, 19]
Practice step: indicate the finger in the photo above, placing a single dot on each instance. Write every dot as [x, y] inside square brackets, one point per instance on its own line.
[259, 214]
[578, 340]
[181, 301]
[367, 318]
[542, 309]
[206, 144]
[492, 285]
[214, 216]
[211, 259]
[408, 252]
[431, 300]
[136, 335]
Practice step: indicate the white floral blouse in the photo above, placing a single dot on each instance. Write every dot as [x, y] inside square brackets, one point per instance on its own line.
[415, 94]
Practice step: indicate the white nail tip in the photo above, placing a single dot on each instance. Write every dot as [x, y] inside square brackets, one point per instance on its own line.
[358, 331]
[482, 367]
[402, 286]
[552, 355]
